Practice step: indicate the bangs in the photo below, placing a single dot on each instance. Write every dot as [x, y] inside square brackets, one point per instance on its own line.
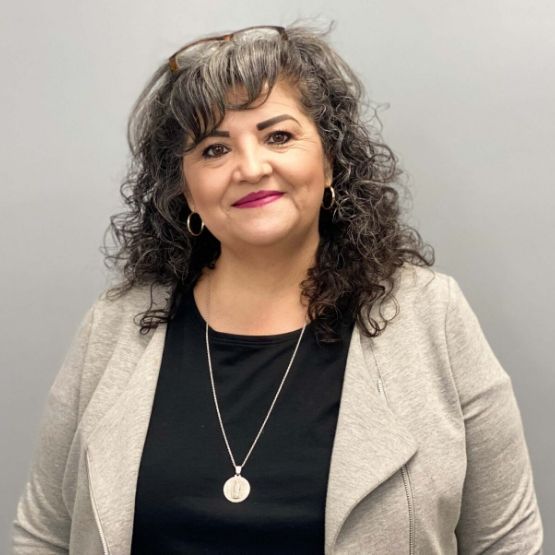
[231, 77]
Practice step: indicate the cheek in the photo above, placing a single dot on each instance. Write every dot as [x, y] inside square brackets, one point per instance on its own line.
[306, 164]
[208, 193]
[307, 174]
[194, 186]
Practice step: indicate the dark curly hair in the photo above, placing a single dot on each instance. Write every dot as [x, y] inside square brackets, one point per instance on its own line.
[362, 242]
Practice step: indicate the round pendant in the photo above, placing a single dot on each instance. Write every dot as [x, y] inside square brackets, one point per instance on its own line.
[237, 489]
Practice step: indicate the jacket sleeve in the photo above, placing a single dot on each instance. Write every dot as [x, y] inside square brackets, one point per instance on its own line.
[42, 524]
[499, 512]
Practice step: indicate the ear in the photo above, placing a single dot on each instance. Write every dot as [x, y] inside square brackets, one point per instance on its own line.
[328, 171]
[187, 195]
[188, 199]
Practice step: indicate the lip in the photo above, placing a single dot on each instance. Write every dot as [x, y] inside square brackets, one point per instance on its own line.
[258, 198]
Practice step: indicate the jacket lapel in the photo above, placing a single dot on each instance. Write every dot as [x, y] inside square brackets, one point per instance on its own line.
[370, 443]
[114, 449]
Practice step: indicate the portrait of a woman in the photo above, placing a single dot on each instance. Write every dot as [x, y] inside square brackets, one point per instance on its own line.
[279, 367]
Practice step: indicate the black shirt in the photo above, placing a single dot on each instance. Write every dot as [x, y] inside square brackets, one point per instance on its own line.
[180, 506]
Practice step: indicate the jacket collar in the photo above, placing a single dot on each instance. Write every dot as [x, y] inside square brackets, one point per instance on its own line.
[370, 444]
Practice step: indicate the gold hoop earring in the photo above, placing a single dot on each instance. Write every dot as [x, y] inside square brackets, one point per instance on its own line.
[189, 224]
[332, 202]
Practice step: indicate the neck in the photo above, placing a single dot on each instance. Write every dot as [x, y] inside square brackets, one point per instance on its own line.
[256, 292]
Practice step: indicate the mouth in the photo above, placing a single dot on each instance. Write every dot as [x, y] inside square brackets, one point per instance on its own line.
[258, 199]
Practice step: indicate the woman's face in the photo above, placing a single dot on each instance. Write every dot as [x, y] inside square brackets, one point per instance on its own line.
[272, 148]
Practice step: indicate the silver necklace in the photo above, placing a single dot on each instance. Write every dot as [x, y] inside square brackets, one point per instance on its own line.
[237, 488]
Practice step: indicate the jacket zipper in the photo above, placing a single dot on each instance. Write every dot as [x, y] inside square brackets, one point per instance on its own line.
[408, 492]
[407, 485]
[95, 511]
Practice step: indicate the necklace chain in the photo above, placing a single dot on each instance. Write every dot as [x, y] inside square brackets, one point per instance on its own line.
[237, 467]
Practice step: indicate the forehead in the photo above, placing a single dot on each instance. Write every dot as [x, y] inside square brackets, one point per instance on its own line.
[282, 97]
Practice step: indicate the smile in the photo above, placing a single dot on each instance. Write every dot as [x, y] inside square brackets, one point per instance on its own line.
[260, 201]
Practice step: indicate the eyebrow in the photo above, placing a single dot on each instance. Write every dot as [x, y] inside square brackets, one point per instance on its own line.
[272, 121]
[260, 126]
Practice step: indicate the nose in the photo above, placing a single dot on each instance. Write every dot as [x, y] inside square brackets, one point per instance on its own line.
[252, 163]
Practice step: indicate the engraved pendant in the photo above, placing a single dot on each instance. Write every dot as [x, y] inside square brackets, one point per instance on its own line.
[237, 489]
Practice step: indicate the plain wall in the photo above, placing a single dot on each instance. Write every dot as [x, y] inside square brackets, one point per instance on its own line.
[471, 92]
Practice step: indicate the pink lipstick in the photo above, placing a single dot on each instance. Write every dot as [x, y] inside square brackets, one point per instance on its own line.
[257, 199]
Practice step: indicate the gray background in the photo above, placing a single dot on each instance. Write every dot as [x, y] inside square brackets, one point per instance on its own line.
[471, 93]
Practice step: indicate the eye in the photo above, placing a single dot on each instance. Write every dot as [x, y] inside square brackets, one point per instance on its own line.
[214, 151]
[279, 137]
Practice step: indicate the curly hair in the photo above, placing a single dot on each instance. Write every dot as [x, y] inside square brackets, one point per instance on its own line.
[362, 242]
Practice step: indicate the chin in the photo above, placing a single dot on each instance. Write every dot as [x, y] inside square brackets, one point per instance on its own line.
[266, 240]
[268, 235]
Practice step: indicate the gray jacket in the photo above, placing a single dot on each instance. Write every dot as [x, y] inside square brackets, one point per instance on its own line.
[429, 455]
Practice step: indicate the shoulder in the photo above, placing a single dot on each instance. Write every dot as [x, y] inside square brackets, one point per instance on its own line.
[111, 311]
[425, 307]
[139, 297]
[434, 317]
[413, 280]
[419, 293]
[114, 319]
[435, 298]
[110, 334]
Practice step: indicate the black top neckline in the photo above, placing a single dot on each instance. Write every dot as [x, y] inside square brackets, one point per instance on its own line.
[225, 337]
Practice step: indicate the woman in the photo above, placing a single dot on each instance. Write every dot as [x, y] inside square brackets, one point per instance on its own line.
[278, 370]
